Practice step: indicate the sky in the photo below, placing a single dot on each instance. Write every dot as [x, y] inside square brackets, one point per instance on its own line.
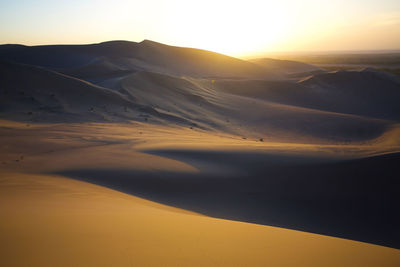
[237, 28]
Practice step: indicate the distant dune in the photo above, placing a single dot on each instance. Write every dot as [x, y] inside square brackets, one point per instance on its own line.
[208, 105]
[146, 55]
[368, 92]
[282, 110]
[99, 69]
[286, 66]
[365, 93]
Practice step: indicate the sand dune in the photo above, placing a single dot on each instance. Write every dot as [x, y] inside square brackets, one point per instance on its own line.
[366, 93]
[270, 189]
[71, 223]
[286, 66]
[222, 149]
[99, 69]
[51, 217]
[146, 55]
[224, 176]
[215, 105]
[369, 92]
[164, 99]
[36, 94]
[32, 91]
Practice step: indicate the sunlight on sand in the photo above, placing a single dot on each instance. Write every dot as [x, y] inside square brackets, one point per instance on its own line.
[54, 221]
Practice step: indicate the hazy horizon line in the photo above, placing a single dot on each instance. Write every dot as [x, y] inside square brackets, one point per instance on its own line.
[255, 55]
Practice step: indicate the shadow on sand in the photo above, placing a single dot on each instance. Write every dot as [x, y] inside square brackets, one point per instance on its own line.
[354, 199]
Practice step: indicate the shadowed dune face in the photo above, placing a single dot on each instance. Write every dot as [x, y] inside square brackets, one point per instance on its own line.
[316, 188]
[54, 221]
[32, 93]
[274, 112]
[146, 55]
[367, 93]
[354, 199]
[249, 107]
[286, 66]
[98, 70]
[32, 89]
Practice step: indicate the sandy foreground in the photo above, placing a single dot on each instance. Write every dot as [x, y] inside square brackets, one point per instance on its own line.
[52, 220]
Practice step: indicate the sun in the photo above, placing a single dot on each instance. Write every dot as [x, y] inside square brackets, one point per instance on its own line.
[228, 27]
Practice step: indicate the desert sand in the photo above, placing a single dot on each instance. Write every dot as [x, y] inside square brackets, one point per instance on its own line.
[54, 220]
[142, 154]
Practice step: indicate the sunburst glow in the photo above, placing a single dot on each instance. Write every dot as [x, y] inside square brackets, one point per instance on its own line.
[237, 28]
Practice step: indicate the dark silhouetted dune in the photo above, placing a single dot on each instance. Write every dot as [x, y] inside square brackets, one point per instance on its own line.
[368, 93]
[286, 66]
[146, 55]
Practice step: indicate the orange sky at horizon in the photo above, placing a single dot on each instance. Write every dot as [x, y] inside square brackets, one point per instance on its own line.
[235, 28]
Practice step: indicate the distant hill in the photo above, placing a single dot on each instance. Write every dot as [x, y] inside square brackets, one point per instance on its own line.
[285, 66]
[155, 83]
[146, 55]
[368, 93]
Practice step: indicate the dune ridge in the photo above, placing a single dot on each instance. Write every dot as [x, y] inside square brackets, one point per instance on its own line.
[146, 55]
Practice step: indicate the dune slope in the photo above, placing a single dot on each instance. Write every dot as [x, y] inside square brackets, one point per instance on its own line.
[286, 66]
[33, 93]
[299, 186]
[73, 223]
[368, 93]
[146, 55]
[53, 220]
